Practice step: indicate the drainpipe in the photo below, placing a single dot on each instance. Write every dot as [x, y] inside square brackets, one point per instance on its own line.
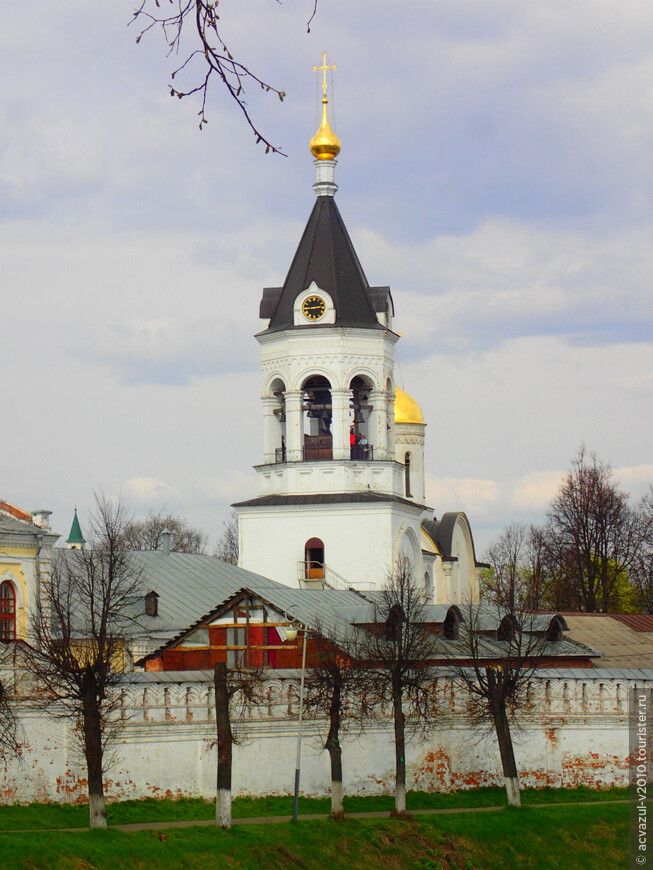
[37, 563]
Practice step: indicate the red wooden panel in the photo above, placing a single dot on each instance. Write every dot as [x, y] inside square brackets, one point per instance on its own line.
[217, 636]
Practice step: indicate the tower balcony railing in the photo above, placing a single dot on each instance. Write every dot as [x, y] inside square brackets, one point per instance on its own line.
[319, 448]
[312, 572]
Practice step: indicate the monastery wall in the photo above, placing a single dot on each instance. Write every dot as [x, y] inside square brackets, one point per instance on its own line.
[576, 735]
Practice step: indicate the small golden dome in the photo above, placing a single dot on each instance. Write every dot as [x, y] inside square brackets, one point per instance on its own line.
[406, 408]
[325, 145]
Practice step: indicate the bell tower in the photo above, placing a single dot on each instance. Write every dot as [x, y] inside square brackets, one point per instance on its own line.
[333, 508]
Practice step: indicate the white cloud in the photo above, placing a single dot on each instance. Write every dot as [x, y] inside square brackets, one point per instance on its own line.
[510, 278]
[147, 491]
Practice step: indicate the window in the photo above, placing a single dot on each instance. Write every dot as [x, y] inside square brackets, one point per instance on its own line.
[451, 625]
[407, 474]
[7, 611]
[151, 604]
[554, 631]
[507, 628]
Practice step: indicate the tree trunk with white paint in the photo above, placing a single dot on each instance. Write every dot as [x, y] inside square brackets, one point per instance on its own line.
[511, 777]
[225, 745]
[335, 754]
[92, 724]
[400, 744]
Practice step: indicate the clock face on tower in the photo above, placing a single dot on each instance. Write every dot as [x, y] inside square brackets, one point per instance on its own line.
[313, 307]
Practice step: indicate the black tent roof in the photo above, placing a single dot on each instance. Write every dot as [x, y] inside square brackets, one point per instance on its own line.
[326, 255]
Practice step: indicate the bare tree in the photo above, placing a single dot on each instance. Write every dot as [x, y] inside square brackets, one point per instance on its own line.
[193, 30]
[593, 535]
[228, 548]
[146, 534]
[398, 650]
[496, 666]
[336, 689]
[505, 584]
[519, 573]
[9, 744]
[642, 570]
[79, 626]
[236, 691]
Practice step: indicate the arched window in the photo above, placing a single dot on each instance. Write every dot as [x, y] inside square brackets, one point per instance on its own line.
[428, 586]
[554, 631]
[451, 625]
[407, 475]
[7, 611]
[508, 627]
[314, 559]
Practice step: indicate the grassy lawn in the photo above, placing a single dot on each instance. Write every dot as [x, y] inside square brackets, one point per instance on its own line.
[43, 816]
[578, 838]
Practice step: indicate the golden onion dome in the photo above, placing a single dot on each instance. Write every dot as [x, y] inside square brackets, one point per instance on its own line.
[325, 145]
[406, 408]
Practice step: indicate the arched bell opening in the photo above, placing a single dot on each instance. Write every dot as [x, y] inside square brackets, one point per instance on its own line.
[278, 428]
[317, 411]
[314, 559]
[360, 441]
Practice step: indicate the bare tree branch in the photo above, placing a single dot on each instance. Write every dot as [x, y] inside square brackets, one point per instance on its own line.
[146, 534]
[211, 58]
[228, 545]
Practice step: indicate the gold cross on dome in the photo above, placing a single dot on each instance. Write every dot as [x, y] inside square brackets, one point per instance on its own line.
[324, 69]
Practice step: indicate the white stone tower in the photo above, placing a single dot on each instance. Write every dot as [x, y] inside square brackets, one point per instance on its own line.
[342, 483]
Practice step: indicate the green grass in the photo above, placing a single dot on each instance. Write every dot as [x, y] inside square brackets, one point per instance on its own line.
[48, 816]
[578, 838]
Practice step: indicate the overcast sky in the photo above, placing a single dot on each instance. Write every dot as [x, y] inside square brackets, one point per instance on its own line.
[496, 170]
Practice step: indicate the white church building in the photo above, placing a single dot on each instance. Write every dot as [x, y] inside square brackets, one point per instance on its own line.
[342, 492]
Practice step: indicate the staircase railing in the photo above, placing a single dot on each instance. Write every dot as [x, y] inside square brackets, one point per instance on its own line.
[314, 572]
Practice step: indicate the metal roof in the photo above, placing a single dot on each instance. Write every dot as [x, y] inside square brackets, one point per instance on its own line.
[325, 498]
[187, 584]
[638, 621]
[330, 611]
[16, 526]
[621, 644]
[338, 614]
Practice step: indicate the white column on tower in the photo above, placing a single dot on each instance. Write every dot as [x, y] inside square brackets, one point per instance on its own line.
[270, 428]
[378, 423]
[294, 426]
[390, 424]
[340, 423]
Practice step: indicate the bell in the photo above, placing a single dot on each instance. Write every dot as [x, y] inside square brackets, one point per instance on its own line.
[358, 416]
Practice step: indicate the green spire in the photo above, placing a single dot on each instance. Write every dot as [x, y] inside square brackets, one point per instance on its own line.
[75, 536]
